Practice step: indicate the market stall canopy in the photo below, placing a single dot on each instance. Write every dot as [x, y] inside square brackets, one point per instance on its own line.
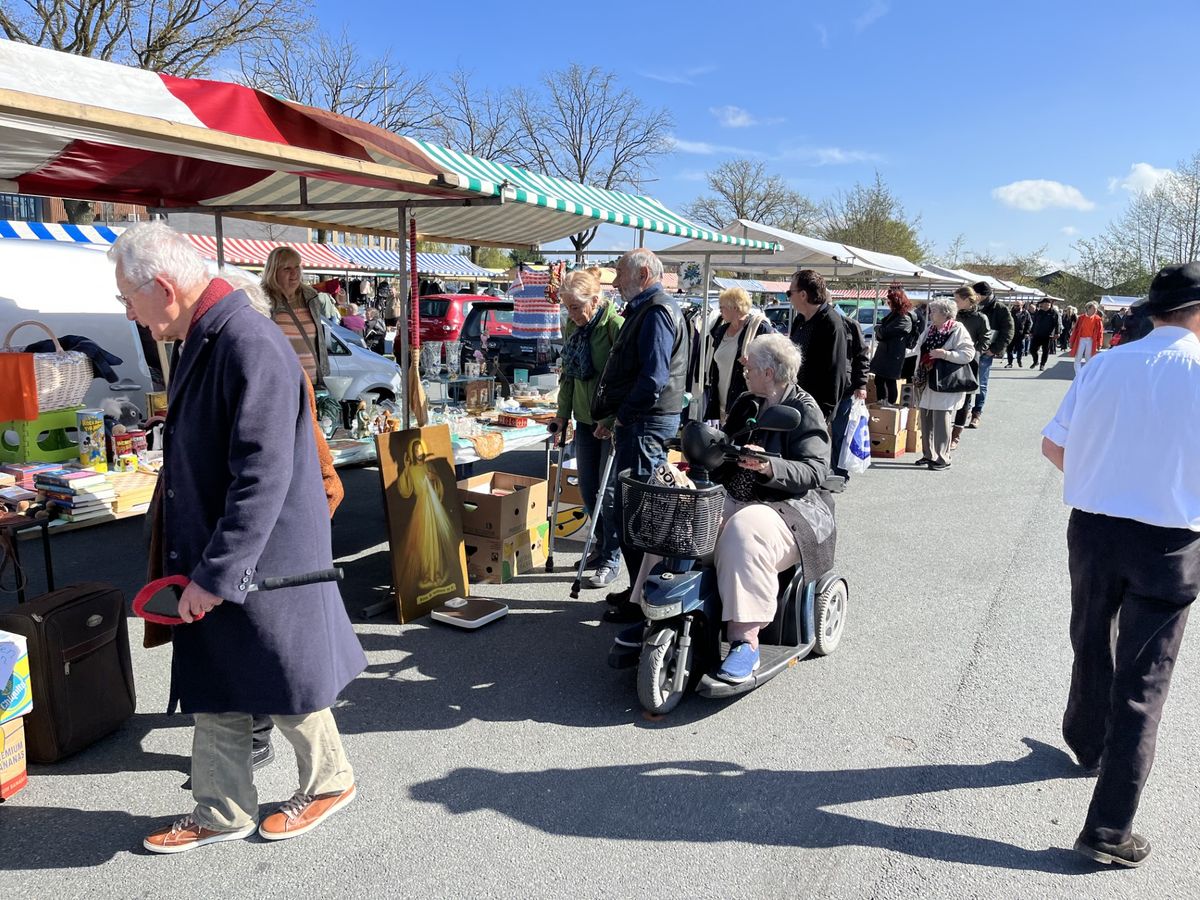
[1113, 301]
[76, 127]
[446, 265]
[799, 251]
[253, 252]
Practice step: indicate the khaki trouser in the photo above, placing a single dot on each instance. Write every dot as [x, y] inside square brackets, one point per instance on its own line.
[222, 783]
[935, 434]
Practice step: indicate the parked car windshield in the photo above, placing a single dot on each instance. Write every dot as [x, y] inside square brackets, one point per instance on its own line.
[485, 320]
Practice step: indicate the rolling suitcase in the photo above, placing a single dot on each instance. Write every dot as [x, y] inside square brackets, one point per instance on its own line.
[81, 674]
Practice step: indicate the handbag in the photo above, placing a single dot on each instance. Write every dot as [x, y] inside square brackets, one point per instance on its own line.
[952, 378]
[41, 382]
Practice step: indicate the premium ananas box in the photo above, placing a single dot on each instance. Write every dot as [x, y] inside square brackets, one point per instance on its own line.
[12, 758]
[16, 696]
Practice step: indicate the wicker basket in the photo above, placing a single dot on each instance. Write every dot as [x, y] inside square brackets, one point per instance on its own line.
[63, 377]
[668, 521]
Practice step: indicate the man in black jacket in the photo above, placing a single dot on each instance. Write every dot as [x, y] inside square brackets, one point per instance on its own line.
[1022, 322]
[1044, 331]
[1001, 322]
[642, 386]
[817, 330]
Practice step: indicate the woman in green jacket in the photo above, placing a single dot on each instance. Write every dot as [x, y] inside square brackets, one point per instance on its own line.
[591, 330]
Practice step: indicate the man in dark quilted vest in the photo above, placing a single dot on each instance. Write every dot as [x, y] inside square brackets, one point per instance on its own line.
[643, 387]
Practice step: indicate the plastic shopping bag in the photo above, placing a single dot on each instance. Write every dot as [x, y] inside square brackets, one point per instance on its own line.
[856, 446]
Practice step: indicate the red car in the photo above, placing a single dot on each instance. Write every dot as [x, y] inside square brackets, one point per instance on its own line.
[442, 316]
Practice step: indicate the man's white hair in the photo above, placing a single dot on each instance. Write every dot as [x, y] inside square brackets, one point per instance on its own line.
[778, 353]
[641, 257]
[149, 249]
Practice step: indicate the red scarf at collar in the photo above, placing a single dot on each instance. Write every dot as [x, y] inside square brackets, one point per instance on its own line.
[218, 289]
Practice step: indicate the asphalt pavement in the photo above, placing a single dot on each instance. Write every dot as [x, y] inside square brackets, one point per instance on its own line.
[922, 759]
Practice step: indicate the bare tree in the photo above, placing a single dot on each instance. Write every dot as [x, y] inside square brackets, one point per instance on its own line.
[870, 216]
[742, 189]
[477, 122]
[588, 129]
[330, 73]
[180, 37]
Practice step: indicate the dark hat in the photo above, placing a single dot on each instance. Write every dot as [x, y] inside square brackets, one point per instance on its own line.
[982, 288]
[1174, 287]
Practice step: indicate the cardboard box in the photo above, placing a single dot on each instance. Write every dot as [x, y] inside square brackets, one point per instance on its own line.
[569, 493]
[499, 505]
[492, 561]
[16, 696]
[913, 445]
[889, 446]
[886, 420]
[12, 758]
[873, 388]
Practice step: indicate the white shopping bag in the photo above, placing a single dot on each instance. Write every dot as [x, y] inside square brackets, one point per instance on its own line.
[856, 446]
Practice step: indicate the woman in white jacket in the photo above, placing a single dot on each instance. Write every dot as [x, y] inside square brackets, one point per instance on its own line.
[944, 338]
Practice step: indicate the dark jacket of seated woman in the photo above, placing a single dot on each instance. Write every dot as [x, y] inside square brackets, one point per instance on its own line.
[803, 453]
[794, 484]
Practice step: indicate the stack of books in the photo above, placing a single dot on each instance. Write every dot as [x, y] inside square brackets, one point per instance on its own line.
[76, 495]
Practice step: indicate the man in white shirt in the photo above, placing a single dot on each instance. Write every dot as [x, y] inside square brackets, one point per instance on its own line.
[1126, 439]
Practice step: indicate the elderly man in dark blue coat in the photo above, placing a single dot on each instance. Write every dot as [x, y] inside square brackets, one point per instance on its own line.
[243, 500]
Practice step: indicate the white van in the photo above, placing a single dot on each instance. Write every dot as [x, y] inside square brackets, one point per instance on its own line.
[71, 288]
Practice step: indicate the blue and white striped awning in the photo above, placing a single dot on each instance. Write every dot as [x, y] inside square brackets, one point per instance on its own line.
[443, 264]
[71, 234]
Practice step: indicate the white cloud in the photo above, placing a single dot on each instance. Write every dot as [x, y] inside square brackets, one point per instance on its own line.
[681, 76]
[704, 148]
[829, 156]
[1142, 179]
[736, 117]
[1036, 194]
[692, 175]
[1070, 230]
[873, 13]
[823, 34]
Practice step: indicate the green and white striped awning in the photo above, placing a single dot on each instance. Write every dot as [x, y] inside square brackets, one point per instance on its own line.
[562, 196]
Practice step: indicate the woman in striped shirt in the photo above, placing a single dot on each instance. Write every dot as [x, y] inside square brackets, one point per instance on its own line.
[296, 309]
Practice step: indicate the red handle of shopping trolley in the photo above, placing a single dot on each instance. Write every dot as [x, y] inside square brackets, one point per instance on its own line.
[159, 600]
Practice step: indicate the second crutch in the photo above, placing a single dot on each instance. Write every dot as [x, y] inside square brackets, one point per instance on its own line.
[597, 511]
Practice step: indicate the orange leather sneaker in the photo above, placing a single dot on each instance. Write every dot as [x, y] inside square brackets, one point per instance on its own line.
[302, 813]
[188, 834]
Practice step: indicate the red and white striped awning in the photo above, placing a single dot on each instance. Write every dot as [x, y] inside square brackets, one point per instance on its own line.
[252, 252]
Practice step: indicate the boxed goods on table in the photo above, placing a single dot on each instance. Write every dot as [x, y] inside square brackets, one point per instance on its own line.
[889, 446]
[12, 758]
[499, 505]
[884, 420]
[500, 560]
[16, 697]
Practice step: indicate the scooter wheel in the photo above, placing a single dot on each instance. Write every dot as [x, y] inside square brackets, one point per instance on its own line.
[656, 674]
[832, 604]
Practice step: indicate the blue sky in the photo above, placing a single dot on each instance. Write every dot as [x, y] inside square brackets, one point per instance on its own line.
[1017, 124]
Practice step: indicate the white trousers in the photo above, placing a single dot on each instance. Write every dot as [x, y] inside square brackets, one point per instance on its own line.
[1084, 353]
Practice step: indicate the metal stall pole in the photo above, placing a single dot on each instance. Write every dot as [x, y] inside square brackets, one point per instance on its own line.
[219, 230]
[405, 357]
[707, 276]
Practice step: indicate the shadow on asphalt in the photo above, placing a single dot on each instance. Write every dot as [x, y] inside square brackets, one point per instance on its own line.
[710, 802]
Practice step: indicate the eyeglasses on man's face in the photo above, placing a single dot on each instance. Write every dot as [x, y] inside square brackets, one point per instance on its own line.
[126, 300]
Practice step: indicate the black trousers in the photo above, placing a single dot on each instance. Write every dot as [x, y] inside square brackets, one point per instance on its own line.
[1044, 344]
[1132, 585]
[263, 726]
[1016, 348]
[887, 389]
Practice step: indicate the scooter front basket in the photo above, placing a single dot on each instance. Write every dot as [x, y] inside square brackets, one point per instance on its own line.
[668, 521]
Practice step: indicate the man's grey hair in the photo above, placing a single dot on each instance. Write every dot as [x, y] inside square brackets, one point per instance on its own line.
[947, 308]
[641, 257]
[150, 249]
[777, 352]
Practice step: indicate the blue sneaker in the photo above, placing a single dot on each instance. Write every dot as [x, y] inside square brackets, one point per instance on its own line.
[740, 664]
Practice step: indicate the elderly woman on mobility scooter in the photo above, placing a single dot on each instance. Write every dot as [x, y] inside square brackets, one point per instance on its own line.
[774, 516]
[770, 520]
